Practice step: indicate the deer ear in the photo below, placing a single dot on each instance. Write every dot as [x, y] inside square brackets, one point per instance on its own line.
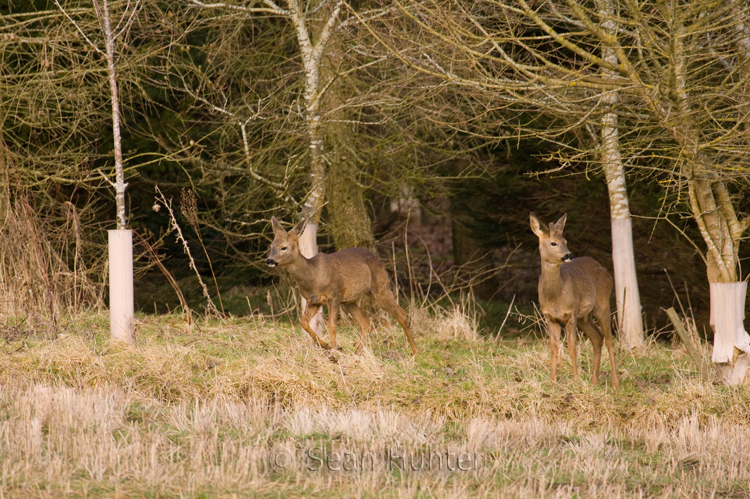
[299, 228]
[560, 225]
[537, 227]
[277, 227]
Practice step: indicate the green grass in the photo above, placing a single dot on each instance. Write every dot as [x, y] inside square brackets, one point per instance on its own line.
[250, 408]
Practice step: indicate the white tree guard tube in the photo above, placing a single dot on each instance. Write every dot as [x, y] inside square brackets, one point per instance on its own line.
[627, 296]
[121, 308]
[308, 246]
[727, 315]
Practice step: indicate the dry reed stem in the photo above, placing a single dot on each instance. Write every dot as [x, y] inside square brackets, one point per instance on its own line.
[210, 307]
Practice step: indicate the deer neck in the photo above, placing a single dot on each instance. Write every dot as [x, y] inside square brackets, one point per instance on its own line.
[300, 269]
[551, 278]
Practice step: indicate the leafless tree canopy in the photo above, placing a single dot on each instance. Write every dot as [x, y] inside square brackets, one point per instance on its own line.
[217, 97]
[680, 72]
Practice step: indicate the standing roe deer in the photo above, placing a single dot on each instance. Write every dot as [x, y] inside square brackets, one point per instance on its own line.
[336, 279]
[570, 292]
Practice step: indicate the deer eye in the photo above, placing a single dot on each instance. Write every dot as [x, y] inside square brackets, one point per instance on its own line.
[283, 248]
[551, 244]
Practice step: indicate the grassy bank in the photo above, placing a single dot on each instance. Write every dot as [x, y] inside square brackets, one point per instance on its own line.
[250, 408]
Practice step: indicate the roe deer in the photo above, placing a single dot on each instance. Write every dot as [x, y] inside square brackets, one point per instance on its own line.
[337, 280]
[571, 290]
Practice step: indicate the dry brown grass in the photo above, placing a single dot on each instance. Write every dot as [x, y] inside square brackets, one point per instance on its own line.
[252, 408]
[49, 264]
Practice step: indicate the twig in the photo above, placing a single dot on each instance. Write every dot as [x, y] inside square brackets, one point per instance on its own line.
[507, 314]
[189, 205]
[154, 257]
[173, 221]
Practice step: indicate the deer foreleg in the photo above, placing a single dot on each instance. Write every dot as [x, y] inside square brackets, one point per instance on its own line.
[310, 312]
[554, 344]
[571, 337]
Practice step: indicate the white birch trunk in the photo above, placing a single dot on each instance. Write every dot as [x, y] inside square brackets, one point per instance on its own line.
[628, 298]
[311, 56]
[308, 246]
[120, 184]
[727, 315]
[121, 313]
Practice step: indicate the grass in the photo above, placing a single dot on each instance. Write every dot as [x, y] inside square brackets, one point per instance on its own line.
[250, 408]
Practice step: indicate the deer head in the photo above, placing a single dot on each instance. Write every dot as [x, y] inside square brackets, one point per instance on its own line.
[285, 245]
[553, 247]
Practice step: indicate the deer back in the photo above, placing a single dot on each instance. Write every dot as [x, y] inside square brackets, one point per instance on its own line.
[345, 275]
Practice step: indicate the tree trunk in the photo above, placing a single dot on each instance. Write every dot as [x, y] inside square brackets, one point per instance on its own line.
[349, 223]
[313, 206]
[728, 298]
[406, 205]
[120, 184]
[630, 320]
[311, 57]
[347, 212]
[717, 221]
[627, 296]
[122, 318]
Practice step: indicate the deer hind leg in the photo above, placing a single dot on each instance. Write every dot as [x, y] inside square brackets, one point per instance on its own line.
[362, 320]
[588, 327]
[571, 336]
[602, 317]
[554, 330]
[384, 299]
[307, 316]
[333, 320]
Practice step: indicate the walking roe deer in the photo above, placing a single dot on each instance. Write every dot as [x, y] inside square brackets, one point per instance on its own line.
[338, 279]
[571, 291]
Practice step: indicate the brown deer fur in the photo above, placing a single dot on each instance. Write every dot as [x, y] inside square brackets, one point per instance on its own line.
[337, 280]
[571, 291]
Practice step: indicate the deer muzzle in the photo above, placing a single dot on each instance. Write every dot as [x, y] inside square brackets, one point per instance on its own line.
[567, 258]
[271, 262]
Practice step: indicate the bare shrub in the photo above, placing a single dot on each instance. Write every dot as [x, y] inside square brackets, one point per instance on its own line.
[48, 264]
